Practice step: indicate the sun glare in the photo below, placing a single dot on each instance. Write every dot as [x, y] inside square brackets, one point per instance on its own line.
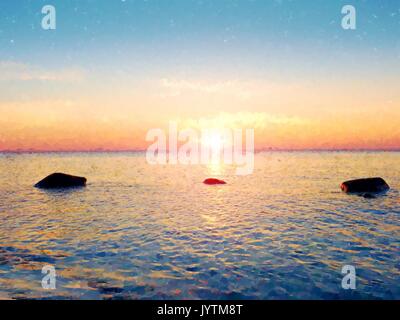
[214, 141]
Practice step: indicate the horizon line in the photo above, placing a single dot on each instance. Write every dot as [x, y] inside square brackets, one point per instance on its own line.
[22, 151]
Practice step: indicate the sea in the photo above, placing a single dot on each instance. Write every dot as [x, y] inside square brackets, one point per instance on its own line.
[142, 231]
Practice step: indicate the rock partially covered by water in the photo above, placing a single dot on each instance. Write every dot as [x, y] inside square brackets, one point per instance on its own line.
[61, 180]
[212, 181]
[368, 185]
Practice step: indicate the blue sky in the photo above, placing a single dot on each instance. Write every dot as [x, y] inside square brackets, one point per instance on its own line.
[198, 34]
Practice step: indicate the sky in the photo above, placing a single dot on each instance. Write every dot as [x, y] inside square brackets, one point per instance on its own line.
[112, 70]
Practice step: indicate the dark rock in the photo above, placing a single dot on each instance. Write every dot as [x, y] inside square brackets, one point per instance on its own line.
[61, 180]
[110, 290]
[212, 181]
[368, 185]
[368, 196]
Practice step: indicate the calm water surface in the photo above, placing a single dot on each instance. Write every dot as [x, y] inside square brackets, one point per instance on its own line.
[152, 232]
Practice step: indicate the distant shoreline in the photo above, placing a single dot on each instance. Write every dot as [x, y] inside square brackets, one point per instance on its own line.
[256, 151]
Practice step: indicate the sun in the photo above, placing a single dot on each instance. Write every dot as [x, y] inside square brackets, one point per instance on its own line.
[214, 141]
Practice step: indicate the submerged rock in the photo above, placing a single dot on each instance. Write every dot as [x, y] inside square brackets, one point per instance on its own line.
[213, 181]
[368, 185]
[61, 180]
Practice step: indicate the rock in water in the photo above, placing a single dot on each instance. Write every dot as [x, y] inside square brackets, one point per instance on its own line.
[368, 196]
[213, 181]
[373, 185]
[61, 180]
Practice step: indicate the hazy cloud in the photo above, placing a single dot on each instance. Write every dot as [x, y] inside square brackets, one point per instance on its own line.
[255, 120]
[16, 71]
[176, 87]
